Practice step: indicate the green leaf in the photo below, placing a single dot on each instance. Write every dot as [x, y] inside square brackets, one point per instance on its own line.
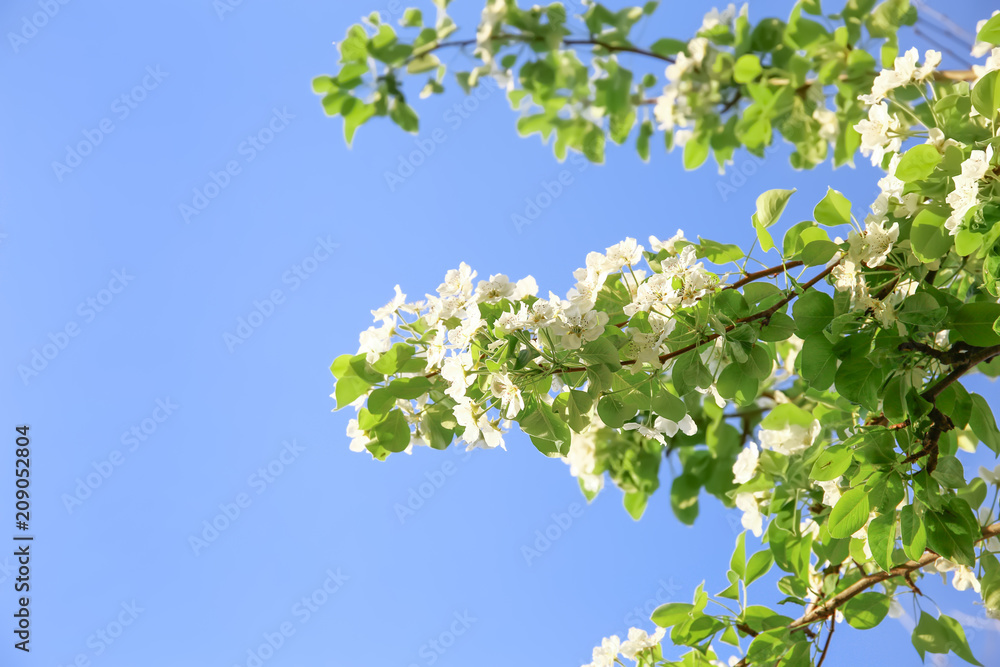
[758, 566]
[779, 327]
[668, 406]
[393, 433]
[990, 32]
[929, 636]
[850, 514]
[918, 163]
[348, 390]
[818, 361]
[914, 533]
[544, 425]
[975, 322]
[858, 380]
[738, 562]
[672, 613]
[928, 236]
[958, 644]
[832, 463]
[404, 116]
[834, 209]
[812, 311]
[771, 204]
[983, 424]
[986, 95]
[747, 68]
[696, 151]
[423, 63]
[684, 497]
[866, 610]
[949, 535]
[882, 540]
[635, 504]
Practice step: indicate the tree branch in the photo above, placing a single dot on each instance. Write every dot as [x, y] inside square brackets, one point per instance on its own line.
[828, 608]
[826, 646]
[614, 48]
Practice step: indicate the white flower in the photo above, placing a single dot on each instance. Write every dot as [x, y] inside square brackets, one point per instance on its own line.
[605, 654]
[663, 426]
[963, 579]
[990, 477]
[831, 492]
[879, 242]
[582, 456]
[625, 253]
[698, 48]
[386, 312]
[457, 282]
[992, 63]
[752, 519]
[965, 196]
[809, 527]
[357, 436]
[829, 126]
[496, 288]
[746, 464]
[931, 60]
[502, 387]
[714, 392]
[576, 327]
[525, 287]
[373, 342]
[980, 49]
[715, 17]
[790, 439]
[638, 641]
[875, 132]
[453, 370]
[491, 436]
[465, 417]
[656, 245]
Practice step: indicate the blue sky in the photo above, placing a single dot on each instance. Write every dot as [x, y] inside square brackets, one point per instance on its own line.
[217, 203]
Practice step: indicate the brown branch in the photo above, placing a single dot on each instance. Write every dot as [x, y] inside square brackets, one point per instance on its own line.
[826, 646]
[974, 359]
[763, 273]
[614, 48]
[708, 339]
[827, 609]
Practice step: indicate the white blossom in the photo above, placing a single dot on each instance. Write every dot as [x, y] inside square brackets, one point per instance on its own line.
[656, 245]
[502, 387]
[875, 131]
[791, 439]
[752, 519]
[831, 492]
[746, 464]
[639, 641]
[457, 282]
[605, 654]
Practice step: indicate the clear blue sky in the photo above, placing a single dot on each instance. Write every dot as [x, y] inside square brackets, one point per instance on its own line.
[134, 300]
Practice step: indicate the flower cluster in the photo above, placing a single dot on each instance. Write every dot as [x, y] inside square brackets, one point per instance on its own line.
[638, 645]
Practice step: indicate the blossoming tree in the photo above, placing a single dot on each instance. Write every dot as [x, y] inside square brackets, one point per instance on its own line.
[823, 396]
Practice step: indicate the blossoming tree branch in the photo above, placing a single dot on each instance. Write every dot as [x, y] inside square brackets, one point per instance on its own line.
[821, 393]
